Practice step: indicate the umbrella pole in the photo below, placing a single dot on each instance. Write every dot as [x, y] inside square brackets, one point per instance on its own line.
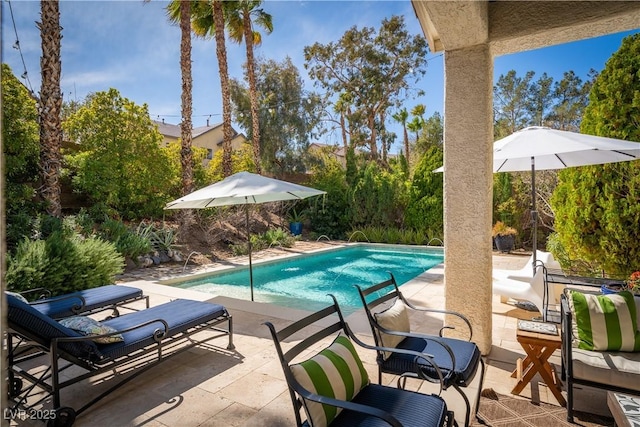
[246, 211]
[534, 212]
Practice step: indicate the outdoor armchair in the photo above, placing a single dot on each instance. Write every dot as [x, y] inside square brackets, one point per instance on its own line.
[457, 359]
[333, 386]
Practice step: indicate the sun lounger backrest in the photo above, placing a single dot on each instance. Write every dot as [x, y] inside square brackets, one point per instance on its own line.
[34, 325]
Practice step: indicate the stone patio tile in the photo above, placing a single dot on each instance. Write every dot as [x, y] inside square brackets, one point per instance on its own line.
[254, 390]
[234, 415]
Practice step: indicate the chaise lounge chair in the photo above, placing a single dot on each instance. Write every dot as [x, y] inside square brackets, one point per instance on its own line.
[135, 343]
[333, 386]
[457, 359]
[526, 285]
[85, 302]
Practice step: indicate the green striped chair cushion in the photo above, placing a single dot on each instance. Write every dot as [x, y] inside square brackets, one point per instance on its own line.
[604, 322]
[336, 372]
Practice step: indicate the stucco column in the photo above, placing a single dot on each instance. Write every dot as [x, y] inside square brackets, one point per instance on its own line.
[468, 140]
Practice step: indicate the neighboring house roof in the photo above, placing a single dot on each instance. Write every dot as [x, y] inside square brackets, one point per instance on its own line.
[335, 150]
[172, 130]
[167, 129]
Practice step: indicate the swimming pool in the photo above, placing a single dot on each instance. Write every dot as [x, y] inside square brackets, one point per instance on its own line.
[304, 281]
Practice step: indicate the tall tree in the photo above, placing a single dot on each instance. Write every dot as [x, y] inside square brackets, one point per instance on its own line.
[571, 96]
[415, 125]
[221, 53]
[342, 107]
[240, 23]
[540, 100]
[510, 102]
[207, 20]
[186, 125]
[376, 67]
[288, 114]
[119, 163]
[432, 135]
[21, 150]
[401, 117]
[50, 105]
[598, 207]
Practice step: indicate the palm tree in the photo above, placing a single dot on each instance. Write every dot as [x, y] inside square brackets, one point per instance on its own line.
[401, 117]
[240, 27]
[186, 154]
[207, 20]
[342, 107]
[415, 125]
[50, 105]
[221, 53]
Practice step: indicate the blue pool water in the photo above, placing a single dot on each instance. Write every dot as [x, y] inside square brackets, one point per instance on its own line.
[304, 281]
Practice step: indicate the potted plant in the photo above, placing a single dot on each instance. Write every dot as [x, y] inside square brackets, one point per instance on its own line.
[295, 222]
[633, 283]
[504, 236]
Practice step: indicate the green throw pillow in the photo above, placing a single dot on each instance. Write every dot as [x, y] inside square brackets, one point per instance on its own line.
[604, 322]
[336, 372]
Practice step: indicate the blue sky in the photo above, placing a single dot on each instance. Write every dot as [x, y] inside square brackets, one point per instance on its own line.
[130, 45]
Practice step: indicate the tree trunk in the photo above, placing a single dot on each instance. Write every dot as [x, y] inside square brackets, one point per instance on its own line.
[186, 153]
[50, 106]
[406, 141]
[384, 137]
[221, 52]
[372, 143]
[253, 90]
[343, 127]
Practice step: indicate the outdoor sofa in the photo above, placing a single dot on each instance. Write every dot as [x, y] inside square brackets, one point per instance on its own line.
[124, 346]
[602, 369]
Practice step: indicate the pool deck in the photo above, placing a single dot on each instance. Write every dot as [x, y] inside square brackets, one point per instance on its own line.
[208, 387]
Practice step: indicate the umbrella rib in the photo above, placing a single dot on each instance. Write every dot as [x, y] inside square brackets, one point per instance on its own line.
[501, 165]
[560, 160]
[625, 154]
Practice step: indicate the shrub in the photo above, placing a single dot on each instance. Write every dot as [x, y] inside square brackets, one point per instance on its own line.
[62, 263]
[26, 267]
[130, 244]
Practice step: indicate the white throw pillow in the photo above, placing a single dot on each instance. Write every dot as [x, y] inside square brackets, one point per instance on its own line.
[395, 318]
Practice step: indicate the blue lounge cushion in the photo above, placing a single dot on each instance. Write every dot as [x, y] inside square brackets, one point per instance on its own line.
[102, 296]
[180, 315]
[410, 408]
[467, 357]
[23, 318]
[18, 296]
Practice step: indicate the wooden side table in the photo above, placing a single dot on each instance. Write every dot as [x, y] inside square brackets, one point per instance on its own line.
[624, 408]
[539, 347]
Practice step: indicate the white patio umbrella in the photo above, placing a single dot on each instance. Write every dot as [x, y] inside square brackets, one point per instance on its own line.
[541, 148]
[244, 188]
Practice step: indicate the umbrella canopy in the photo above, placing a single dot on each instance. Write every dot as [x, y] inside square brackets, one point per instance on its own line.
[557, 149]
[243, 188]
[541, 148]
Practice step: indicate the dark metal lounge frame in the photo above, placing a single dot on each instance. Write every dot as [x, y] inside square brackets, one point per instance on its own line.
[452, 347]
[85, 302]
[150, 337]
[375, 404]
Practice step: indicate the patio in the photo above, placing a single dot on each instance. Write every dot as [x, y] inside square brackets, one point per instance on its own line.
[210, 386]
